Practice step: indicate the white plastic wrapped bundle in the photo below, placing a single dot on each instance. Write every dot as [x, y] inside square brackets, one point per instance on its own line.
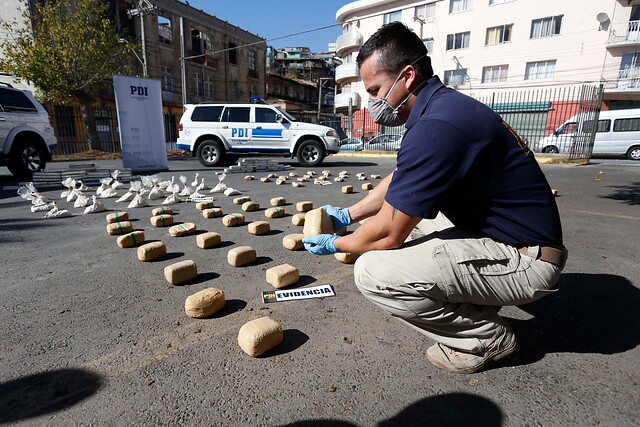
[115, 183]
[220, 186]
[195, 182]
[107, 190]
[156, 192]
[57, 213]
[130, 194]
[138, 201]
[42, 208]
[28, 192]
[172, 198]
[80, 186]
[95, 206]
[231, 192]
[81, 201]
[70, 184]
[202, 185]
[167, 185]
[186, 190]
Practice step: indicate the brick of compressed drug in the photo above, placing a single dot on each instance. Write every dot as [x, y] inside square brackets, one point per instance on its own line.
[293, 242]
[233, 220]
[204, 205]
[305, 206]
[259, 336]
[278, 201]
[151, 251]
[282, 275]
[204, 303]
[250, 206]
[208, 240]
[117, 217]
[241, 200]
[347, 189]
[274, 212]
[162, 211]
[317, 221]
[161, 220]
[242, 255]
[259, 227]
[367, 186]
[212, 213]
[120, 227]
[181, 272]
[130, 240]
[298, 219]
[183, 229]
[346, 257]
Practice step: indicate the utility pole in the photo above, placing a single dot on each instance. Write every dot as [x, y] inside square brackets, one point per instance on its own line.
[320, 80]
[143, 8]
[183, 65]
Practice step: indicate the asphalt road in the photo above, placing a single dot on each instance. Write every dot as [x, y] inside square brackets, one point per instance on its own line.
[92, 336]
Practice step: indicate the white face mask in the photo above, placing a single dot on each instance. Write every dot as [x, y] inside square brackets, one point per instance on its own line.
[382, 112]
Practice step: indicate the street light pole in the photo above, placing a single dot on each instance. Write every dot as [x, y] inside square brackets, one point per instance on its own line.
[143, 8]
[320, 94]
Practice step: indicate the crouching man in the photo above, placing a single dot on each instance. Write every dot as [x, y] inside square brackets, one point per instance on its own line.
[490, 228]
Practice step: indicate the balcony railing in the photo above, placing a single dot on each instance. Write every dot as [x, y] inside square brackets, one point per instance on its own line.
[349, 40]
[347, 72]
[342, 100]
[624, 34]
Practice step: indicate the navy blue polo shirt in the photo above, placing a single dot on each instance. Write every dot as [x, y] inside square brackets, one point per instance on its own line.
[459, 157]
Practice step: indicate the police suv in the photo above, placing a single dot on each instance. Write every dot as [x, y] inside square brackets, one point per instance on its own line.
[211, 131]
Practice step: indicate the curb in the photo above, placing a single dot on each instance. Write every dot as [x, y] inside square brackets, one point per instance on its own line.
[543, 159]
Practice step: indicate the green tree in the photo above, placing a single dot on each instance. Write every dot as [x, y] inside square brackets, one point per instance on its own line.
[69, 50]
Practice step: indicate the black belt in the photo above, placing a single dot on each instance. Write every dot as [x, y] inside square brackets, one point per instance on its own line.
[549, 254]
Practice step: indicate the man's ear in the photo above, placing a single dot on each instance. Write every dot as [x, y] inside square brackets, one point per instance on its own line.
[410, 77]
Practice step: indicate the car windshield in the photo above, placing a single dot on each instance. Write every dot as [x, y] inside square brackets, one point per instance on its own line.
[286, 115]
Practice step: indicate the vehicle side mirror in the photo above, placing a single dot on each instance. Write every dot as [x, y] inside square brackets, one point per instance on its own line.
[556, 133]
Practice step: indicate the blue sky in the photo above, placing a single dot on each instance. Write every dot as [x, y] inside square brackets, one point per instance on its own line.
[276, 18]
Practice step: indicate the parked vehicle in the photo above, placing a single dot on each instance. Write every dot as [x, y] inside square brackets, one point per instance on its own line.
[617, 133]
[27, 137]
[385, 142]
[211, 131]
[351, 144]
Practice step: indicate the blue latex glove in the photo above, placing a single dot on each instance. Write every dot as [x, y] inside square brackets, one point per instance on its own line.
[339, 217]
[322, 244]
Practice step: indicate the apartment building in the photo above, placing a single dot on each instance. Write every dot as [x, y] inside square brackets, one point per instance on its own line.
[484, 47]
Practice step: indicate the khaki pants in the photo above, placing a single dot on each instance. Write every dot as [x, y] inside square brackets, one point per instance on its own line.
[447, 283]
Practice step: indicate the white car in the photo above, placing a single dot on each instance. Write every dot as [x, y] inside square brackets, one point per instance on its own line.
[26, 136]
[211, 131]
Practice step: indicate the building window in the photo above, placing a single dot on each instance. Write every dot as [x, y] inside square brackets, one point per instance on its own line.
[540, 70]
[167, 78]
[492, 2]
[209, 89]
[392, 16]
[458, 40]
[545, 27]
[253, 72]
[425, 11]
[629, 73]
[233, 53]
[428, 43]
[497, 35]
[455, 77]
[495, 73]
[164, 30]
[199, 84]
[460, 5]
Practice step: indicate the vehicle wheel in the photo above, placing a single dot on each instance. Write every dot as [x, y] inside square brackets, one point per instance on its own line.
[26, 159]
[634, 153]
[310, 153]
[210, 153]
[551, 150]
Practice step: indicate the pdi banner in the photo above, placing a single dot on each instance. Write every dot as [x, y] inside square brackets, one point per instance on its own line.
[140, 123]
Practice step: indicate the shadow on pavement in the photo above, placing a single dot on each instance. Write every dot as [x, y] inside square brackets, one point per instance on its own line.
[451, 409]
[629, 194]
[590, 313]
[45, 393]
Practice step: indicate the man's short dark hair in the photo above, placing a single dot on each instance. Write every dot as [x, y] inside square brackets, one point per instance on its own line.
[397, 46]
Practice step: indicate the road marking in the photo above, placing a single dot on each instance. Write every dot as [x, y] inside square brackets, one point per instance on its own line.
[123, 361]
[632, 218]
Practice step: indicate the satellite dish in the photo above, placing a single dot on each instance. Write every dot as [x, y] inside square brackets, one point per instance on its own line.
[602, 17]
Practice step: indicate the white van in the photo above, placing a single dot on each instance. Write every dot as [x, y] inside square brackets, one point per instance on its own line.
[617, 133]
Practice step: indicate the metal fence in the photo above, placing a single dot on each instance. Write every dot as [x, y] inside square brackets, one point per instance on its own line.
[72, 136]
[534, 114]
